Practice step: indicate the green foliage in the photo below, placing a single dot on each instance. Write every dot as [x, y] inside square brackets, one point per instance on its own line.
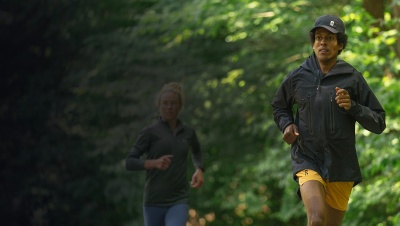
[375, 201]
[89, 77]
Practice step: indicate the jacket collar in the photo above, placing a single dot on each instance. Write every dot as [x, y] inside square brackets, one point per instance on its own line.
[179, 125]
[341, 67]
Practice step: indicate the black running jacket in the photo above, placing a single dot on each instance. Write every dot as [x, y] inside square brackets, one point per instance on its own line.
[326, 143]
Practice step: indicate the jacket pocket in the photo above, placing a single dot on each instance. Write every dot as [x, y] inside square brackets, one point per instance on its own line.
[307, 112]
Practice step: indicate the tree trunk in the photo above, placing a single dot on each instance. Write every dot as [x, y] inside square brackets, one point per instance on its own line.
[396, 15]
[375, 8]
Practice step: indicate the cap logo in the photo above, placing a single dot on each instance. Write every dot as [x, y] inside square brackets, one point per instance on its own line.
[332, 23]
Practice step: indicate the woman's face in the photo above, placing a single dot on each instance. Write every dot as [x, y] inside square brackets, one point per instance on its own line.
[169, 106]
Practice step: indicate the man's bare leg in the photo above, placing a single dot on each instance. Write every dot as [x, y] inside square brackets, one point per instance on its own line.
[313, 196]
[334, 217]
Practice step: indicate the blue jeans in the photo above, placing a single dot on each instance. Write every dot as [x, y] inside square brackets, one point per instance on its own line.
[175, 215]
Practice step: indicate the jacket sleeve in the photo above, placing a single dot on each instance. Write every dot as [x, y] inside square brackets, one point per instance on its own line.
[142, 144]
[282, 104]
[367, 110]
[197, 154]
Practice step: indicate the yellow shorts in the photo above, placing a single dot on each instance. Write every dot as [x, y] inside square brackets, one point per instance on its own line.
[337, 193]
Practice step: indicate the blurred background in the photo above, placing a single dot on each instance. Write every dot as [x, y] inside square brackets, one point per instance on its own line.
[78, 83]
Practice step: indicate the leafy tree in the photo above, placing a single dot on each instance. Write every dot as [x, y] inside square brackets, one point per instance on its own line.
[80, 81]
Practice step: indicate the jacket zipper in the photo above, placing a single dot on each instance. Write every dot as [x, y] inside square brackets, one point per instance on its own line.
[332, 118]
[309, 114]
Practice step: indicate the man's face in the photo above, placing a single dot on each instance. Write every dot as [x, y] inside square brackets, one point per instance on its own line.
[326, 45]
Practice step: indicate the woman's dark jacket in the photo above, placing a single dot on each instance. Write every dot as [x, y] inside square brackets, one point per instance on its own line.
[326, 143]
[171, 186]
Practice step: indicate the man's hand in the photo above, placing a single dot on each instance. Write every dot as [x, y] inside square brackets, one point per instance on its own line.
[197, 179]
[343, 98]
[290, 134]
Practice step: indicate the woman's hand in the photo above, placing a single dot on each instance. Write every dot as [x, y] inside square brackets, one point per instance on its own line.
[161, 163]
[197, 179]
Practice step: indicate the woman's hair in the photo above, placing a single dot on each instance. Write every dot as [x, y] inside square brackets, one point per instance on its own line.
[174, 87]
[341, 38]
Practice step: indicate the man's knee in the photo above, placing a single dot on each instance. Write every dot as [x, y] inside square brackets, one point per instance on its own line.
[317, 219]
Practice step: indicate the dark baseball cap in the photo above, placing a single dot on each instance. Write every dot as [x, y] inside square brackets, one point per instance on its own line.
[331, 23]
